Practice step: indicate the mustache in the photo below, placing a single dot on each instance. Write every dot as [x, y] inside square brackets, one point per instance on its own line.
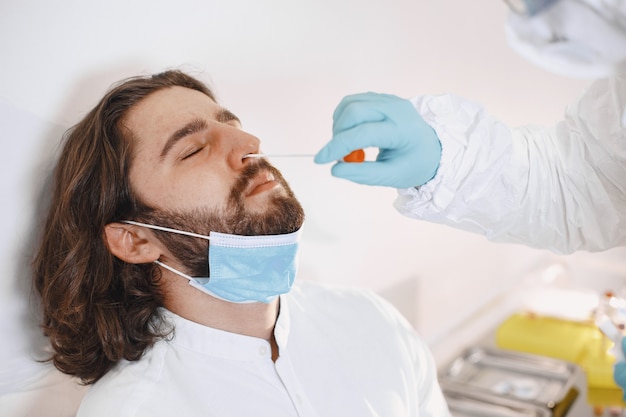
[249, 172]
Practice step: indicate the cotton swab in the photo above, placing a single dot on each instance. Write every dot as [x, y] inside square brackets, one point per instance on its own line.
[269, 155]
[354, 156]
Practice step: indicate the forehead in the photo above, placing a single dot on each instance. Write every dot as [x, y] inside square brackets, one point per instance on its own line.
[157, 114]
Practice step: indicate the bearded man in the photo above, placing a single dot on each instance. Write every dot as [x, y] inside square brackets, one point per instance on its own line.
[166, 271]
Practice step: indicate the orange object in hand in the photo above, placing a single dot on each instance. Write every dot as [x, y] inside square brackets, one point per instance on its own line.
[357, 155]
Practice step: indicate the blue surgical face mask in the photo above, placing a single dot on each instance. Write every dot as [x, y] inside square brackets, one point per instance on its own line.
[243, 269]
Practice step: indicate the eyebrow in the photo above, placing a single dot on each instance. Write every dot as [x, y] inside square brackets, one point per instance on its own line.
[195, 126]
[225, 116]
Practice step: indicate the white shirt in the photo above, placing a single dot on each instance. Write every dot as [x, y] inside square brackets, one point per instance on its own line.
[561, 188]
[342, 353]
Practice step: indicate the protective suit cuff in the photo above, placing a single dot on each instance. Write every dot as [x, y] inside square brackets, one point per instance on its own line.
[444, 113]
[432, 196]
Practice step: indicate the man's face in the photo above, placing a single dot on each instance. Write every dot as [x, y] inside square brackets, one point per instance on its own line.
[188, 166]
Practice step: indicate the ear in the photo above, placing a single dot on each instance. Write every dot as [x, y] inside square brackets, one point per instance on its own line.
[130, 243]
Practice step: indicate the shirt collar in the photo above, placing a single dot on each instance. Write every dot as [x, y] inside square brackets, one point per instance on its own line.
[220, 343]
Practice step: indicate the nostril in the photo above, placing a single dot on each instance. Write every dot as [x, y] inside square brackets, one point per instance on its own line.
[253, 155]
[250, 158]
[249, 148]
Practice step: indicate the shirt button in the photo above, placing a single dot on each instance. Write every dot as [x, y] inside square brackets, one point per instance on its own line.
[263, 350]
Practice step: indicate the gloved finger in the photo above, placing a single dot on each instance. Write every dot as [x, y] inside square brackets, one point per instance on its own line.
[360, 173]
[619, 374]
[379, 135]
[371, 173]
[332, 151]
[383, 135]
[369, 98]
[368, 107]
[355, 114]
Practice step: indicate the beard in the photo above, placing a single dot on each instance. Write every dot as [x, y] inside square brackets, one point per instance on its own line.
[283, 215]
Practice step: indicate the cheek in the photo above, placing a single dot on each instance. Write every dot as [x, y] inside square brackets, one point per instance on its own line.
[198, 191]
[143, 184]
[199, 184]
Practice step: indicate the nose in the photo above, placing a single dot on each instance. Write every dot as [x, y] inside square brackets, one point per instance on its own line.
[244, 144]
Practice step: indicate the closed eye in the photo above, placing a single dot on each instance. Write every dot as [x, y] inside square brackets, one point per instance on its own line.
[195, 152]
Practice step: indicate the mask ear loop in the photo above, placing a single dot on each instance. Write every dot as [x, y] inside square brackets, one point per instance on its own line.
[166, 229]
[194, 282]
[169, 268]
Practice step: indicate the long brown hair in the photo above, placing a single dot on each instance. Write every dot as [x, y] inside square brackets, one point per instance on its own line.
[98, 310]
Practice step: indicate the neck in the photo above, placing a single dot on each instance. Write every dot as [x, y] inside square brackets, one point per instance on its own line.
[249, 319]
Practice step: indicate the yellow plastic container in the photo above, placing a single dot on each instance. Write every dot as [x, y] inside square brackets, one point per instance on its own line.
[578, 342]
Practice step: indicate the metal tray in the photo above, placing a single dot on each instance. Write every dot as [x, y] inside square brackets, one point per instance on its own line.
[532, 379]
[463, 403]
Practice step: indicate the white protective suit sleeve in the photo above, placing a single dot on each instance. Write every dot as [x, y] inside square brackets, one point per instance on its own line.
[561, 188]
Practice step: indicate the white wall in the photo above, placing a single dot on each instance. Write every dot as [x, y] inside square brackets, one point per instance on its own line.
[281, 66]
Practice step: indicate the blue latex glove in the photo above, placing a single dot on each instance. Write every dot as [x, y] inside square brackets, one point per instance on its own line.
[619, 370]
[409, 149]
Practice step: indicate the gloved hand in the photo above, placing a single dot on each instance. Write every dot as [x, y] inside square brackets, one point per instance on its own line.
[619, 370]
[409, 149]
